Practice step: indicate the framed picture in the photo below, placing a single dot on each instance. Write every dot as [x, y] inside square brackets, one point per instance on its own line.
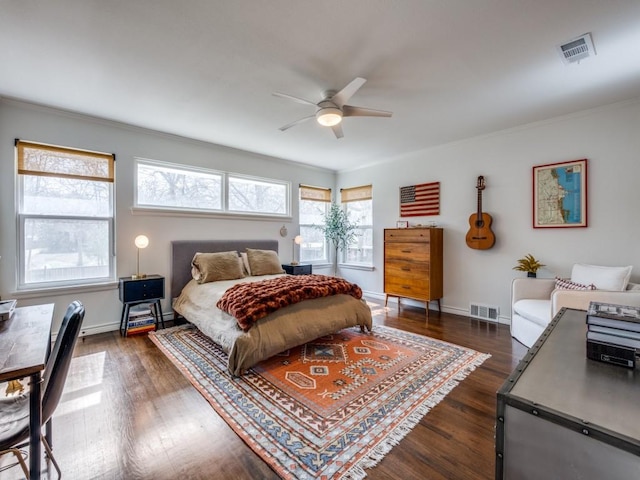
[560, 195]
[402, 224]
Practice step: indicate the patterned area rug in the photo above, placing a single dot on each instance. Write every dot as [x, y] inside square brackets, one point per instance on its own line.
[328, 409]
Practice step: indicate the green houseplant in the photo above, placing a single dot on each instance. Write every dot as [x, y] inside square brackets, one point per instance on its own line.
[339, 230]
[529, 264]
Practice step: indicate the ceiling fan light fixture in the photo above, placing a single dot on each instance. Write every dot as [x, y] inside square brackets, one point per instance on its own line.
[329, 116]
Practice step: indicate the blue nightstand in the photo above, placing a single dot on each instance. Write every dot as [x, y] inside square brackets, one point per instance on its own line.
[297, 269]
[135, 291]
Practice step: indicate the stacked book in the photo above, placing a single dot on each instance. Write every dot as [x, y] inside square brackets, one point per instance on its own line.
[613, 333]
[141, 320]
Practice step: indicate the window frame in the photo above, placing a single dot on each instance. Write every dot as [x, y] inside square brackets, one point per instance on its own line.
[186, 168]
[225, 210]
[23, 217]
[319, 195]
[352, 195]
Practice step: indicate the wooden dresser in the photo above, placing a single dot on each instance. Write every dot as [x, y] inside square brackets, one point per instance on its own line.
[413, 264]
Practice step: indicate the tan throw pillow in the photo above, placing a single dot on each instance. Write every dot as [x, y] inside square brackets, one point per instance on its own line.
[212, 267]
[263, 262]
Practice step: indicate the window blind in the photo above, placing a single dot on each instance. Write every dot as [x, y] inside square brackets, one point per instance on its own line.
[51, 161]
[318, 194]
[356, 194]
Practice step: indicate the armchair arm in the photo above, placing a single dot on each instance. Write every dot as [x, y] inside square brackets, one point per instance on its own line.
[534, 288]
[580, 299]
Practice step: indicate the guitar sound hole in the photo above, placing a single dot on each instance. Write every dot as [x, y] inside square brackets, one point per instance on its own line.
[479, 224]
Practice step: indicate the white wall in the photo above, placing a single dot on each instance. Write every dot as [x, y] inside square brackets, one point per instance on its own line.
[608, 137]
[30, 122]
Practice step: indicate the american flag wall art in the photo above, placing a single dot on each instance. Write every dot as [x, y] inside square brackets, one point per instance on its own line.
[420, 200]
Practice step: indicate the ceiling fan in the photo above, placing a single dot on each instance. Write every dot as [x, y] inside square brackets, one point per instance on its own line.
[332, 108]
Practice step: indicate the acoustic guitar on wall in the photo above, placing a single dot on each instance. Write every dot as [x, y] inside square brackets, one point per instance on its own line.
[480, 235]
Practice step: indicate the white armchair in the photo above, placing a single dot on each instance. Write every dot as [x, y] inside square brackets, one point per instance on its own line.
[535, 301]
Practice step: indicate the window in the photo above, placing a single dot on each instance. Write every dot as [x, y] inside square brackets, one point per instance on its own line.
[65, 216]
[177, 187]
[314, 206]
[358, 203]
[252, 195]
[162, 185]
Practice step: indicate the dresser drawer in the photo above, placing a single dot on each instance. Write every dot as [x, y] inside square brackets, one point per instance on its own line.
[409, 270]
[405, 287]
[421, 235]
[409, 252]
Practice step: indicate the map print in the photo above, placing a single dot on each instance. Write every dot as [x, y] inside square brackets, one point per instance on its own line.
[559, 195]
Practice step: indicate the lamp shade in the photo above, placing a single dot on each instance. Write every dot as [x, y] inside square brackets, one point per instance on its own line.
[142, 241]
[298, 240]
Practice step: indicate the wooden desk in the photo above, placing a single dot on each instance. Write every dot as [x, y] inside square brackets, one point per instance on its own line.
[25, 343]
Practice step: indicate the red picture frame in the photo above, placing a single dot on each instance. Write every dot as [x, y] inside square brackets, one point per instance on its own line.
[560, 195]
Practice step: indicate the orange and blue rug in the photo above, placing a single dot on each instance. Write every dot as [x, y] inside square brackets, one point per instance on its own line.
[331, 408]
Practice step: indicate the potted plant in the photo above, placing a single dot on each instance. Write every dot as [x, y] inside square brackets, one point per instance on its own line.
[339, 230]
[529, 264]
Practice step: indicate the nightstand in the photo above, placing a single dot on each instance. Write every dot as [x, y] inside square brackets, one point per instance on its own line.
[297, 269]
[135, 291]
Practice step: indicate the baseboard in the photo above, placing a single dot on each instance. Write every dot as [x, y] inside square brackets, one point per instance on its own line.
[447, 309]
[104, 328]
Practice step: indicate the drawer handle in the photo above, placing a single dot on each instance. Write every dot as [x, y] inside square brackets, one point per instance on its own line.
[407, 287]
[406, 251]
[406, 269]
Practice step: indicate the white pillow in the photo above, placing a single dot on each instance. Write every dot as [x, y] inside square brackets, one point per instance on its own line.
[245, 262]
[604, 278]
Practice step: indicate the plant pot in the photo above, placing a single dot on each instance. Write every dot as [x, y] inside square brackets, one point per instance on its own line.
[531, 274]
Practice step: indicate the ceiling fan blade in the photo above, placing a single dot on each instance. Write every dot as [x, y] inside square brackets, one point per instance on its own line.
[293, 124]
[337, 130]
[351, 111]
[295, 99]
[347, 92]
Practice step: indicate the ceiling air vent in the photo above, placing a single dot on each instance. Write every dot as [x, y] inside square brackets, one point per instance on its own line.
[577, 49]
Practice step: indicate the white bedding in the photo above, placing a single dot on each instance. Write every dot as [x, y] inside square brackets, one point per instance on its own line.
[197, 303]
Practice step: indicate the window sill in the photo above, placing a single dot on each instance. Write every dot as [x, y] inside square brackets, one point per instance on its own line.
[356, 266]
[69, 289]
[175, 212]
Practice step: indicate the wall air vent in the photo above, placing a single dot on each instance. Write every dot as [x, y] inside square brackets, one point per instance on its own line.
[577, 49]
[484, 312]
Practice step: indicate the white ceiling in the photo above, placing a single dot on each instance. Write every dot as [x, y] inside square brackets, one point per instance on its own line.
[206, 69]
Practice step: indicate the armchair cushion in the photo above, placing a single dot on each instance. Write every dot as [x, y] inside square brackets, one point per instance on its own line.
[536, 311]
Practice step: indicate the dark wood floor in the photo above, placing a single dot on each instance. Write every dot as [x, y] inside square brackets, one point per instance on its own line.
[128, 413]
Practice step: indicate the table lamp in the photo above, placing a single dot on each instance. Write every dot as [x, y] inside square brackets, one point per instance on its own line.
[296, 241]
[141, 241]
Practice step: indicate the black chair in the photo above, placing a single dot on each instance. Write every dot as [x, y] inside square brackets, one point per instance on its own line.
[14, 411]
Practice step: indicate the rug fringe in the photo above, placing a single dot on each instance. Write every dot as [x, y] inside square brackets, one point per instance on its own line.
[377, 453]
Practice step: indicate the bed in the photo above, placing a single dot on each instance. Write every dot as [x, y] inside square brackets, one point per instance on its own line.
[285, 328]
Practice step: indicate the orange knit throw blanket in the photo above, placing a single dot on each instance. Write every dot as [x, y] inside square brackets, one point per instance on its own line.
[249, 302]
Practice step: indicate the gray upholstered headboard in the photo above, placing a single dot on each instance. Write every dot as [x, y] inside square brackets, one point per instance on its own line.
[182, 252]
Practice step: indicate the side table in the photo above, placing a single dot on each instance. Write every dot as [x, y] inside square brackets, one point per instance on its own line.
[297, 269]
[134, 291]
